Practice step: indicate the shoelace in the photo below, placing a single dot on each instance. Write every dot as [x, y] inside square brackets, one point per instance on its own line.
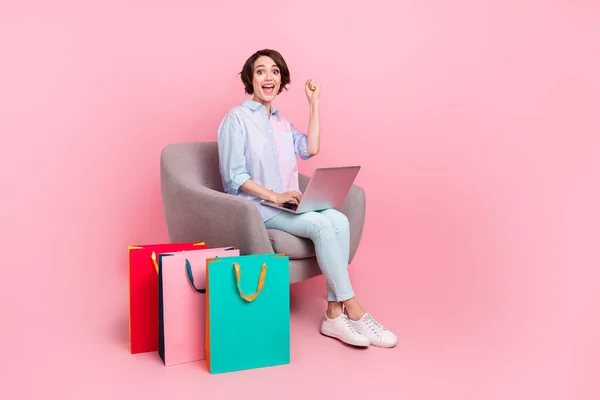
[350, 327]
[374, 325]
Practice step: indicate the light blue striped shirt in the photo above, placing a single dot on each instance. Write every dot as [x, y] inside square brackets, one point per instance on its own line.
[254, 146]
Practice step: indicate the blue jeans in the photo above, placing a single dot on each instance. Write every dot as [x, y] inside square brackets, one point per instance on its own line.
[330, 232]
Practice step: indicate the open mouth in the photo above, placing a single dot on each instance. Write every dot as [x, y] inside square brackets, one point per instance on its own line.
[268, 89]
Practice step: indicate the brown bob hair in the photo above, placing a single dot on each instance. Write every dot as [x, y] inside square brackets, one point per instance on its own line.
[248, 69]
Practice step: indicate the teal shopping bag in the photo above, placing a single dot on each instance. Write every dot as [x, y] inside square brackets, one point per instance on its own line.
[247, 312]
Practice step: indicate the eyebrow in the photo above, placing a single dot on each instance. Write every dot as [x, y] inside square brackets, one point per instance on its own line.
[262, 65]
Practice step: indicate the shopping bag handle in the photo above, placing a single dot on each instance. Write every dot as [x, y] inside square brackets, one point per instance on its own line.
[153, 256]
[189, 272]
[261, 282]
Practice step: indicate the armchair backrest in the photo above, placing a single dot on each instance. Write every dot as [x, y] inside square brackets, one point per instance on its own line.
[194, 162]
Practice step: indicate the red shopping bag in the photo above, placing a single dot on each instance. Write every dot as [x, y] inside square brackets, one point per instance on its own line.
[143, 292]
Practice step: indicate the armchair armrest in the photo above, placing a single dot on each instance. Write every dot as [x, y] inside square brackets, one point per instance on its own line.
[354, 207]
[197, 213]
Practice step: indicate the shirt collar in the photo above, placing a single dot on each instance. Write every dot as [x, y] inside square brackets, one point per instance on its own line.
[254, 106]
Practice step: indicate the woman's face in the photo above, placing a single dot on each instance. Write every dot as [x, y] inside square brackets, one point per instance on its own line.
[266, 80]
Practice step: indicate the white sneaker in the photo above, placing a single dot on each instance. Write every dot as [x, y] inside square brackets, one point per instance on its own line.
[341, 329]
[377, 334]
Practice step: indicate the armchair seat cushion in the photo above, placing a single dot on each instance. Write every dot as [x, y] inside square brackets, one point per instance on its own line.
[292, 246]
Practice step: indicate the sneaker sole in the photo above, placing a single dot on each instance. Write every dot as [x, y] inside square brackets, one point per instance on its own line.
[385, 346]
[340, 338]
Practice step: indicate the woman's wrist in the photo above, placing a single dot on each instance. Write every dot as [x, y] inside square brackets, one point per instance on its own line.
[259, 191]
[272, 196]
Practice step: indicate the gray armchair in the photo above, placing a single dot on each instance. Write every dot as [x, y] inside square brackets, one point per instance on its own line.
[197, 209]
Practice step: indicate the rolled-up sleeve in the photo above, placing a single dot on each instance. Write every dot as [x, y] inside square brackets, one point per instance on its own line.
[232, 159]
[300, 143]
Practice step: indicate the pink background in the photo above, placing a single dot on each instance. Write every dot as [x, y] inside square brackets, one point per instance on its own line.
[478, 128]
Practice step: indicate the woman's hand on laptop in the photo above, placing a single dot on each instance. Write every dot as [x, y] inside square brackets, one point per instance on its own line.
[288, 197]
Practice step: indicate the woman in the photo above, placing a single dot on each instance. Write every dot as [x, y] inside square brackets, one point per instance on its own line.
[257, 154]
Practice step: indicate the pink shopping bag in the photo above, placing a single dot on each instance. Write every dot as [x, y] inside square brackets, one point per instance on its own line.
[182, 303]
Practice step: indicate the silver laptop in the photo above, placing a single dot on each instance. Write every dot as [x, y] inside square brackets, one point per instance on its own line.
[327, 188]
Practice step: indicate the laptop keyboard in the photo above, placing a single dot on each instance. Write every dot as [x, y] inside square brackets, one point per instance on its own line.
[290, 206]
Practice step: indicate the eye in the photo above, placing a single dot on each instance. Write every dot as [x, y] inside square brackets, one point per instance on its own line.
[259, 72]
[276, 72]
